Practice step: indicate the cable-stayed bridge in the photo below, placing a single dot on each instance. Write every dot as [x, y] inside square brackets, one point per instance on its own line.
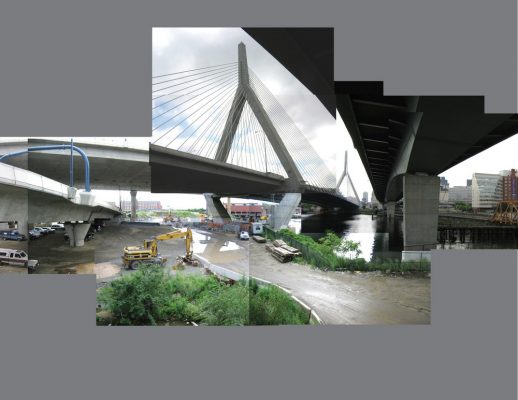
[220, 130]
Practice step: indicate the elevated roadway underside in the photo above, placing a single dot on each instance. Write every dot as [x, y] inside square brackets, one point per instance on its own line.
[111, 167]
[173, 171]
[395, 135]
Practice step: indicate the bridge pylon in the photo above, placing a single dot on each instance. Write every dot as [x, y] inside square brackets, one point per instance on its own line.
[245, 93]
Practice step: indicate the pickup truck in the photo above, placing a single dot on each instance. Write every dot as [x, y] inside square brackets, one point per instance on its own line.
[19, 258]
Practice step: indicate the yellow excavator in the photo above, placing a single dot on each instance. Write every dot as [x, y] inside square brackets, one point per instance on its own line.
[148, 254]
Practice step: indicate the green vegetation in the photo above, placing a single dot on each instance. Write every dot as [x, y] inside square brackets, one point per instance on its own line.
[270, 305]
[152, 297]
[463, 207]
[339, 245]
[333, 253]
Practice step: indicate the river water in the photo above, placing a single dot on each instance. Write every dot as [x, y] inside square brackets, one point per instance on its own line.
[381, 238]
[378, 237]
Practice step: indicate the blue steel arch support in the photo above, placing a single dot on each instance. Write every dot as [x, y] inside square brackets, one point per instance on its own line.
[57, 147]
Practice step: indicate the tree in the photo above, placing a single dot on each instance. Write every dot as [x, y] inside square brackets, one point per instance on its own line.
[339, 245]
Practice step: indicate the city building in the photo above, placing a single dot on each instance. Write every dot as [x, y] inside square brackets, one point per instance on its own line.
[142, 205]
[486, 190]
[365, 198]
[444, 183]
[443, 196]
[468, 182]
[510, 186]
[460, 194]
[246, 212]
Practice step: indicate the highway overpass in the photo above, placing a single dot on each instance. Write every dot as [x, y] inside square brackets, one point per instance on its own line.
[28, 197]
[406, 141]
[112, 167]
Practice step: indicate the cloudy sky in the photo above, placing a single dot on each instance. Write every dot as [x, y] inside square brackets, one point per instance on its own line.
[184, 49]
[180, 49]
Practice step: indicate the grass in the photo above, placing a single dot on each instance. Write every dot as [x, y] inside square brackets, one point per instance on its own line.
[151, 297]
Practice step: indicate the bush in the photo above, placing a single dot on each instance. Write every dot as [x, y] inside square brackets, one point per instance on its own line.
[226, 305]
[138, 299]
[151, 297]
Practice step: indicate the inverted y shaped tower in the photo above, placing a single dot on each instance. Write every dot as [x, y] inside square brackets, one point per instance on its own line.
[245, 93]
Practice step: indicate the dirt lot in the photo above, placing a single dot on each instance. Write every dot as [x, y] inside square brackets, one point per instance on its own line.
[102, 255]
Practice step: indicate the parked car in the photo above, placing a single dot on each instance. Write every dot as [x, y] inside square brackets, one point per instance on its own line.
[33, 234]
[49, 229]
[243, 235]
[41, 230]
[12, 235]
[58, 227]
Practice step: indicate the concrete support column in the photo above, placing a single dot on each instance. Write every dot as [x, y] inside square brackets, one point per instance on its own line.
[420, 211]
[214, 207]
[391, 209]
[134, 205]
[22, 226]
[76, 232]
[283, 212]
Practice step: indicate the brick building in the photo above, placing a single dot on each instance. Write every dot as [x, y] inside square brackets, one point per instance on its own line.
[245, 212]
[510, 186]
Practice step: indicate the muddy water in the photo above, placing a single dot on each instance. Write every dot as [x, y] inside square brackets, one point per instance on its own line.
[225, 250]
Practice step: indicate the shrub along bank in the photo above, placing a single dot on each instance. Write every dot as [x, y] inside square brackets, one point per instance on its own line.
[151, 297]
[333, 253]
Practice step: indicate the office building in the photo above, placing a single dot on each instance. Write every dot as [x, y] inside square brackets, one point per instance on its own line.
[486, 190]
[460, 194]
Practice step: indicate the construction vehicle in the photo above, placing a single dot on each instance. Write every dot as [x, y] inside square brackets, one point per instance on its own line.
[169, 218]
[148, 253]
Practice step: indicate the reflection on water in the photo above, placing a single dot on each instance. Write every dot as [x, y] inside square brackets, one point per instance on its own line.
[378, 237]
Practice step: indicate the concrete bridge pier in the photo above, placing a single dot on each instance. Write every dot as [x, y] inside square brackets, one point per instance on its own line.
[14, 207]
[282, 213]
[134, 205]
[220, 215]
[76, 232]
[391, 209]
[420, 211]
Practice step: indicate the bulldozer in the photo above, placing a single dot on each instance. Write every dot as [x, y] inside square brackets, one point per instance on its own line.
[148, 253]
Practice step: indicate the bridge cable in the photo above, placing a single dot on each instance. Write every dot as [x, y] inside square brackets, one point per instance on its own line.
[183, 83]
[188, 76]
[211, 82]
[190, 115]
[192, 105]
[210, 115]
[190, 70]
[208, 94]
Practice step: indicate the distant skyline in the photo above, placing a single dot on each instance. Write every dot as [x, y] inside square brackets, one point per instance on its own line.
[502, 156]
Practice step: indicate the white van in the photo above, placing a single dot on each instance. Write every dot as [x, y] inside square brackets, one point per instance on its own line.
[17, 257]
